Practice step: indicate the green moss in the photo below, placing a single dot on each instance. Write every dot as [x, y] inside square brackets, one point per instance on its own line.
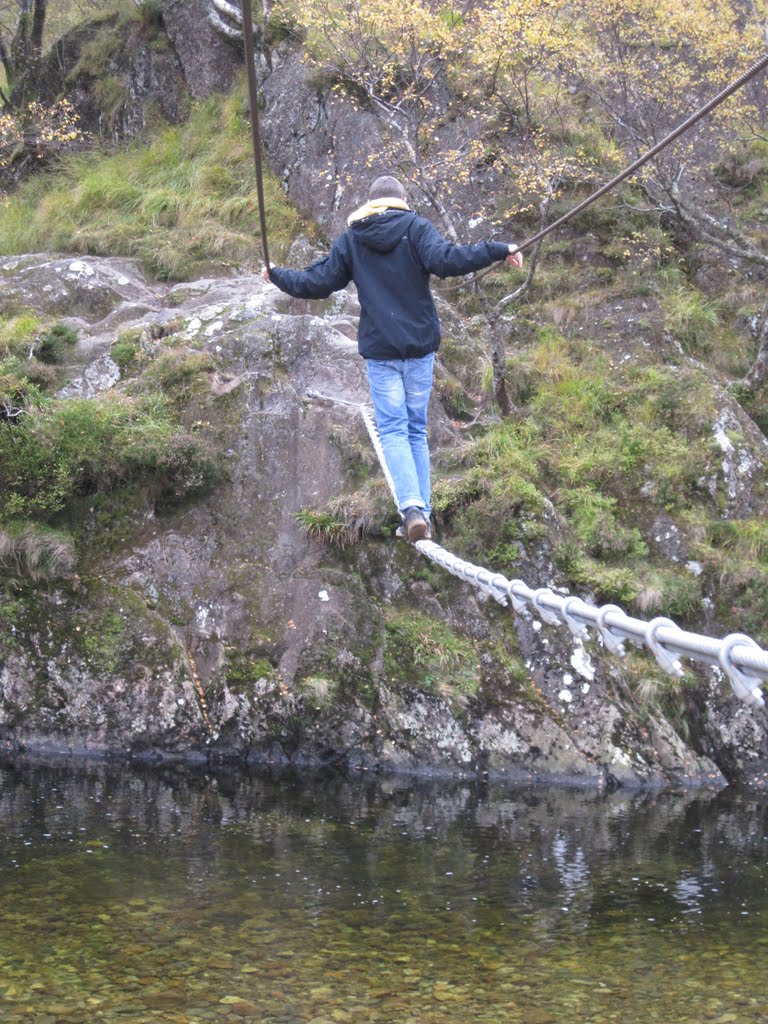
[427, 654]
[243, 669]
[103, 523]
[505, 675]
[101, 641]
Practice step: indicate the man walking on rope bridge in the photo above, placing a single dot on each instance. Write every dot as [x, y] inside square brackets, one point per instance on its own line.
[389, 252]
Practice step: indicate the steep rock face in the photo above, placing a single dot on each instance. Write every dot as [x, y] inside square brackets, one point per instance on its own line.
[115, 72]
[209, 62]
[317, 141]
[219, 629]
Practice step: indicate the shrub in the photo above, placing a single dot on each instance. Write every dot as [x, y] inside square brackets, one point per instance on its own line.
[60, 449]
[126, 352]
[53, 343]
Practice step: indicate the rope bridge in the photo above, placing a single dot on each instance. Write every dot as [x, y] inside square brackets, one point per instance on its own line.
[743, 661]
[739, 656]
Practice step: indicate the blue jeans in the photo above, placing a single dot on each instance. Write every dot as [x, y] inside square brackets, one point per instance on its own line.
[400, 390]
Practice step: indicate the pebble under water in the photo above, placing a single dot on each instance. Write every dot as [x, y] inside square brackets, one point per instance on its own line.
[138, 895]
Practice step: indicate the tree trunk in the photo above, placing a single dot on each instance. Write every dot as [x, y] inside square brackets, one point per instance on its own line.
[499, 368]
[758, 372]
[22, 60]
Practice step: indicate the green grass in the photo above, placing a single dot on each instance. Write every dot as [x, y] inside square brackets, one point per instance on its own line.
[704, 324]
[183, 203]
[743, 539]
[428, 654]
[55, 453]
[608, 448]
[325, 526]
[595, 518]
[692, 318]
[61, 449]
[18, 333]
[29, 350]
[35, 552]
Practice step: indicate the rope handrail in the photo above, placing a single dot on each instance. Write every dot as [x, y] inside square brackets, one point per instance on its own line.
[753, 70]
[743, 661]
[253, 99]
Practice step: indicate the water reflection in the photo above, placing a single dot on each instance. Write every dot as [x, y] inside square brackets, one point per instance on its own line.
[138, 894]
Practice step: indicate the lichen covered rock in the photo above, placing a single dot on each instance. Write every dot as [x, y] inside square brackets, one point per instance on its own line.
[219, 627]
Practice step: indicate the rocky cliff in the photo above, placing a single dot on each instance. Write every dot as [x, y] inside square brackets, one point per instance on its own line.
[221, 629]
[251, 622]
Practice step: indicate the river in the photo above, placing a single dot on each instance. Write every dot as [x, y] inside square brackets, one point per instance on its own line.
[170, 894]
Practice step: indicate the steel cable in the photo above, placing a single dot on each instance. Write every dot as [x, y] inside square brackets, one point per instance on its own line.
[253, 94]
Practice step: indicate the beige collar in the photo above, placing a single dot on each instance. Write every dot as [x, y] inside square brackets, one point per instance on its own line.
[375, 206]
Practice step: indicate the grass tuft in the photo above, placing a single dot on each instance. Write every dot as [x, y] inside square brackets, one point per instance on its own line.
[36, 552]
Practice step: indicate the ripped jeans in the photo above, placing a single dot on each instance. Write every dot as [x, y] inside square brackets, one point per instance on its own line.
[400, 390]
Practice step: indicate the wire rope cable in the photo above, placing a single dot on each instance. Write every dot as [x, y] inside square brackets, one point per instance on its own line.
[754, 69]
[253, 95]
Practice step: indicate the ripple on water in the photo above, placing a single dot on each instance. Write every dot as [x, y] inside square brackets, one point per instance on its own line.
[165, 896]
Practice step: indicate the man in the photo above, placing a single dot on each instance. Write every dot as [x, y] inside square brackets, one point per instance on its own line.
[389, 252]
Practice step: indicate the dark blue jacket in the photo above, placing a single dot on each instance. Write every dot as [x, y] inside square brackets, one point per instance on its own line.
[390, 257]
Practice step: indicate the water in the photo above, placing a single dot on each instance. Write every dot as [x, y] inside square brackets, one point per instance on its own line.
[167, 895]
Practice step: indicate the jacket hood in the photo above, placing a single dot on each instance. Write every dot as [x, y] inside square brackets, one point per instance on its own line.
[380, 224]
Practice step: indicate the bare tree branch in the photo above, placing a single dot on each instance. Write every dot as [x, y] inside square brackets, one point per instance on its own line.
[519, 292]
[714, 231]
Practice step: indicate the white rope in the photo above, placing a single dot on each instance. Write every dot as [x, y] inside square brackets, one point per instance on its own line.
[743, 661]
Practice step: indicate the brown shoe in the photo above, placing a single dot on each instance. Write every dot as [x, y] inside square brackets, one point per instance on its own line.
[415, 526]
